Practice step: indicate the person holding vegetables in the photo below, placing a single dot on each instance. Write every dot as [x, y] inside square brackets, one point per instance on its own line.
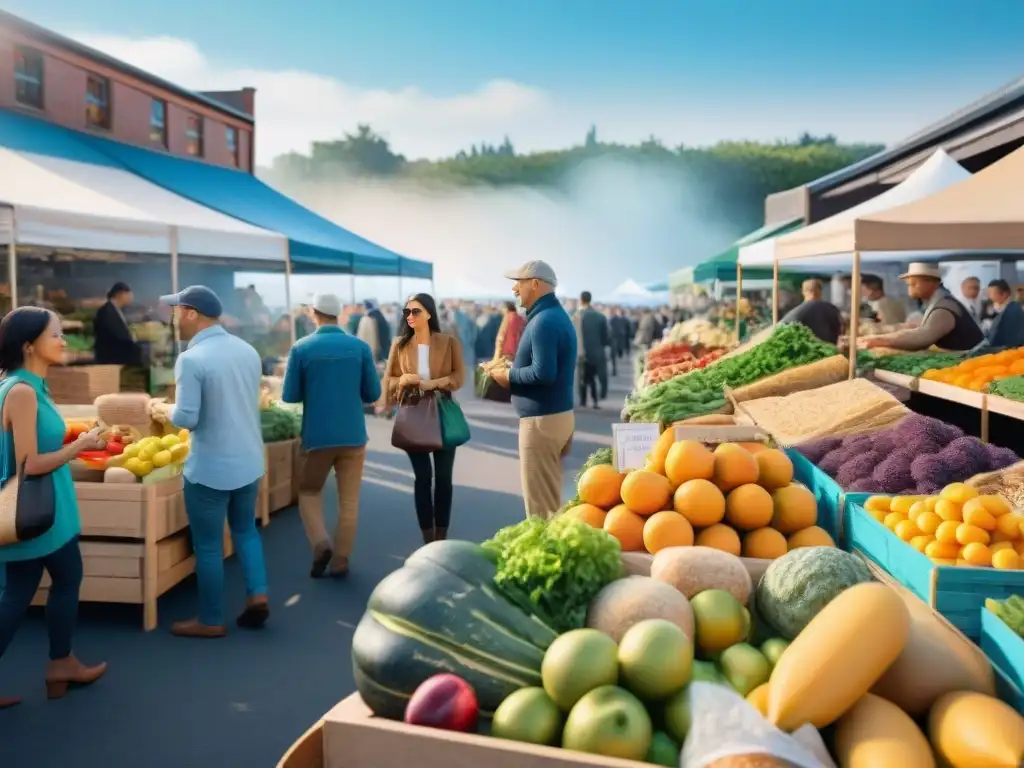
[422, 357]
[541, 383]
[31, 340]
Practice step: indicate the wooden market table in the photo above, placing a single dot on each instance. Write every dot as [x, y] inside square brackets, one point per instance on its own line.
[279, 484]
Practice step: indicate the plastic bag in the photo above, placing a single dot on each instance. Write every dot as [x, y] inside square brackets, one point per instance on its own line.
[725, 728]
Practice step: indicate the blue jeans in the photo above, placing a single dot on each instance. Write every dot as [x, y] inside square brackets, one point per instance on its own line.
[207, 508]
[23, 577]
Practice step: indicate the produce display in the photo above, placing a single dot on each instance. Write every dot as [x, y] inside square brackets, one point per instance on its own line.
[1007, 482]
[957, 527]
[916, 455]
[702, 391]
[1009, 611]
[1012, 388]
[279, 423]
[700, 330]
[976, 373]
[916, 363]
[845, 408]
[668, 371]
[738, 498]
[128, 456]
[670, 352]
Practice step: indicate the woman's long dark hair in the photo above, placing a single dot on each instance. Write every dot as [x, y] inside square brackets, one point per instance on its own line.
[433, 324]
[20, 327]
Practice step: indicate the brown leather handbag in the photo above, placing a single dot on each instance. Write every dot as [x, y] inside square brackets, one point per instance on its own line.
[417, 426]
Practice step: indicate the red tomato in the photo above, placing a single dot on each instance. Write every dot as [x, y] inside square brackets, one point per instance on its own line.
[115, 449]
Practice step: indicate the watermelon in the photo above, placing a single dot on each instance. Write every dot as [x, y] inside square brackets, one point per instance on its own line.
[796, 586]
[441, 612]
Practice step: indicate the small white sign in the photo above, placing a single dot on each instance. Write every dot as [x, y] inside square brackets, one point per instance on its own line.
[631, 443]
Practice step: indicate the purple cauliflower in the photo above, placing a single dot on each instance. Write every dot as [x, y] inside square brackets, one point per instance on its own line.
[857, 444]
[864, 485]
[892, 473]
[923, 488]
[924, 434]
[964, 457]
[929, 469]
[815, 450]
[999, 457]
[832, 461]
[856, 468]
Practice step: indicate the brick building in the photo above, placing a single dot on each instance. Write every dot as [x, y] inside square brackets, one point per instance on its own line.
[49, 76]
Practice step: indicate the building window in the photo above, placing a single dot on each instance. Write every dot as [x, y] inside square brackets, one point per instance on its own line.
[97, 102]
[231, 134]
[194, 135]
[158, 122]
[28, 77]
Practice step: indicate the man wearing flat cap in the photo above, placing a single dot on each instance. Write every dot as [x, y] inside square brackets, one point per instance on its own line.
[541, 382]
[217, 396]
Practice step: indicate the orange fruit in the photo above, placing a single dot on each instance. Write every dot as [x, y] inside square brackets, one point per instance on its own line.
[812, 536]
[700, 502]
[626, 526]
[600, 485]
[764, 544]
[721, 537]
[667, 529]
[1006, 559]
[689, 460]
[774, 469]
[976, 514]
[656, 458]
[967, 533]
[752, 447]
[587, 513]
[645, 492]
[977, 554]
[949, 510]
[733, 467]
[1008, 525]
[748, 507]
[795, 509]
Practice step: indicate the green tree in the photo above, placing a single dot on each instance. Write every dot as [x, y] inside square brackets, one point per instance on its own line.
[364, 153]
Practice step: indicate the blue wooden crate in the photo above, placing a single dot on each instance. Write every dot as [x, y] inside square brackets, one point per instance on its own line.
[955, 592]
[1005, 649]
[826, 490]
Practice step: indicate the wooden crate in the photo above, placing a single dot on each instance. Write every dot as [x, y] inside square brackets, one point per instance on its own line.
[280, 476]
[74, 384]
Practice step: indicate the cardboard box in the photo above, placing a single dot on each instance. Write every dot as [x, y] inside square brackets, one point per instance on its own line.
[354, 738]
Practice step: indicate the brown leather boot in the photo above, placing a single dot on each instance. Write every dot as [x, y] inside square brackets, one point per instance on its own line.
[70, 672]
[192, 628]
[9, 701]
[440, 534]
[256, 613]
[428, 535]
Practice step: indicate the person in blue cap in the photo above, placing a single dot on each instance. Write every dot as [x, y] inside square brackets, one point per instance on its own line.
[217, 396]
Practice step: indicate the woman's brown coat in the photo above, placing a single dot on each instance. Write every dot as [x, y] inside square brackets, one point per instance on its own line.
[447, 370]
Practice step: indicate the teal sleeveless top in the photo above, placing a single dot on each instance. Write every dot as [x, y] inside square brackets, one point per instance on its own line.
[50, 436]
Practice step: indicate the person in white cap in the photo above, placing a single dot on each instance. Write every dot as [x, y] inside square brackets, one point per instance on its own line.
[541, 381]
[333, 375]
[946, 323]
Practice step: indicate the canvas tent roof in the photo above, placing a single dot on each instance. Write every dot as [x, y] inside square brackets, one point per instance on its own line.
[982, 213]
[632, 289]
[77, 198]
[939, 172]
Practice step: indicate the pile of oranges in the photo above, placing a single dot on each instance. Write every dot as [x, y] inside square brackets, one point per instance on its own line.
[739, 498]
[957, 527]
[976, 373]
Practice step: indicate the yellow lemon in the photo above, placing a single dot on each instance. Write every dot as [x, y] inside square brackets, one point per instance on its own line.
[130, 451]
[946, 532]
[921, 542]
[145, 467]
[878, 504]
[928, 522]
[902, 504]
[147, 452]
[967, 533]
[148, 442]
[168, 440]
[179, 452]
[976, 514]
[949, 510]
[942, 550]
[906, 530]
[1009, 525]
[1005, 559]
[893, 519]
[977, 554]
[162, 459]
[132, 464]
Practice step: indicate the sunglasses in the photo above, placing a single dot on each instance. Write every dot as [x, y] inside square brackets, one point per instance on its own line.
[414, 312]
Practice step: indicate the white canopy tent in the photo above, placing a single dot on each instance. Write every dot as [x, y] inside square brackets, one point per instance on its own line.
[68, 204]
[939, 172]
[631, 292]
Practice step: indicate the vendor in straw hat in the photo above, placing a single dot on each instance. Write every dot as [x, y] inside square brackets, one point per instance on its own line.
[946, 323]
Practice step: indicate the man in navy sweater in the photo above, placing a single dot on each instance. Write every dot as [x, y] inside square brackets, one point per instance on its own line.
[541, 382]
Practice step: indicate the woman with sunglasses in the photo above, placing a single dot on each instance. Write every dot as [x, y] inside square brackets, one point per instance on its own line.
[424, 358]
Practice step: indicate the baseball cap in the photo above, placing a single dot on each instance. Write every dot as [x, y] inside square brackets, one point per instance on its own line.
[327, 304]
[922, 269]
[200, 298]
[534, 270]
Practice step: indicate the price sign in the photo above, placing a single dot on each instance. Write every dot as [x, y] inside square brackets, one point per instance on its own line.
[631, 443]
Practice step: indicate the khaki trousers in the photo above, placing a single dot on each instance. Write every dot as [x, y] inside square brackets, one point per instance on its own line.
[348, 473]
[543, 441]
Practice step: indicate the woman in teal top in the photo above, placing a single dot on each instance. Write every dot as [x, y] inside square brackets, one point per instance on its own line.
[31, 340]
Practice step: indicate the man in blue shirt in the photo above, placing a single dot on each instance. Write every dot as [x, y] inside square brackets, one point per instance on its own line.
[217, 398]
[332, 374]
[541, 383]
[1007, 328]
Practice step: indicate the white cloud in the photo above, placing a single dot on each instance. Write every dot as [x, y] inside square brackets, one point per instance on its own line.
[295, 107]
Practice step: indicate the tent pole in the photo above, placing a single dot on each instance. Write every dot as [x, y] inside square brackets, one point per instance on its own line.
[288, 292]
[352, 288]
[775, 291]
[854, 312]
[175, 282]
[12, 261]
[401, 295]
[739, 297]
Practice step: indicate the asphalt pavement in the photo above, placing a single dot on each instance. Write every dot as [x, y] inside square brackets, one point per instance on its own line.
[168, 702]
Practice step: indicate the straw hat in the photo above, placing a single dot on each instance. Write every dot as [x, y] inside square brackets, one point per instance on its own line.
[922, 269]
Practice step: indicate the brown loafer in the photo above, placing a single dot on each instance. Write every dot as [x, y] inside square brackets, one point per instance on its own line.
[192, 628]
[11, 701]
[255, 615]
[70, 673]
[339, 567]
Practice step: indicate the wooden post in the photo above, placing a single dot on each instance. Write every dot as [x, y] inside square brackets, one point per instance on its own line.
[854, 312]
[739, 297]
[775, 291]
